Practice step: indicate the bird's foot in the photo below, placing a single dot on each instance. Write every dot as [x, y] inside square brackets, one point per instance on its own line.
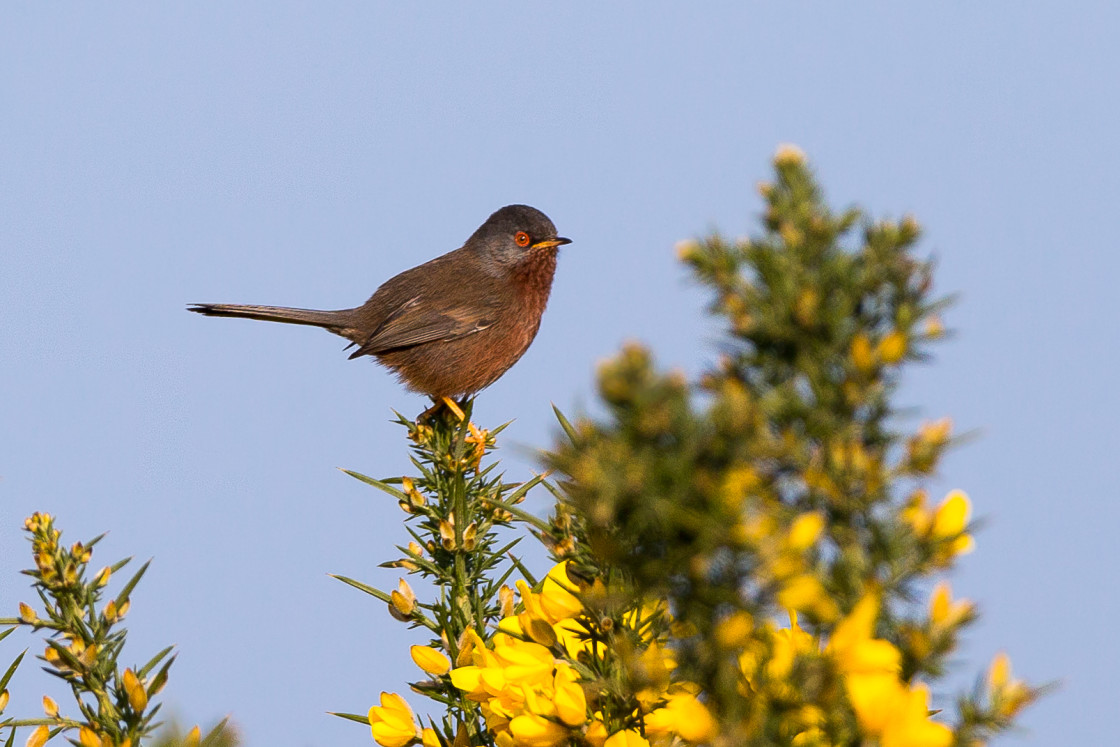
[439, 404]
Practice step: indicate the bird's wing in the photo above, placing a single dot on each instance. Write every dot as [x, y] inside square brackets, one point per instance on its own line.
[419, 320]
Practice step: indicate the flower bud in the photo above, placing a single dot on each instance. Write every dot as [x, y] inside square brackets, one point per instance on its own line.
[39, 737]
[862, 357]
[134, 689]
[892, 347]
[103, 576]
[447, 535]
[27, 615]
[431, 661]
[789, 155]
[403, 601]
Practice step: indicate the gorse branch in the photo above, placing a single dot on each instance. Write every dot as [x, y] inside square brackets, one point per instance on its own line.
[114, 705]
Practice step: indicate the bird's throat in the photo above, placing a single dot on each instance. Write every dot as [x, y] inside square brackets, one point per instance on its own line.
[533, 279]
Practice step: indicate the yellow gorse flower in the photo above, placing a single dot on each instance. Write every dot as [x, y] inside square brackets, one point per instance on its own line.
[886, 707]
[945, 524]
[1008, 695]
[39, 737]
[908, 722]
[134, 688]
[892, 347]
[431, 661]
[402, 601]
[943, 611]
[685, 716]
[531, 730]
[532, 696]
[557, 597]
[392, 723]
[950, 521]
[628, 738]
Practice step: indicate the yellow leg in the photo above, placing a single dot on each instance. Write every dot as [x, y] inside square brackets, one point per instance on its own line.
[439, 404]
[454, 407]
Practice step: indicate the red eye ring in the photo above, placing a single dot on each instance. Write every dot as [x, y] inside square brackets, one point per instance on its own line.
[521, 238]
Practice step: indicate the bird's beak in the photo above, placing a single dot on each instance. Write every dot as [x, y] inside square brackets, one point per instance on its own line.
[549, 243]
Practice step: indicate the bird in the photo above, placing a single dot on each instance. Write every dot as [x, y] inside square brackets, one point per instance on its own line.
[452, 326]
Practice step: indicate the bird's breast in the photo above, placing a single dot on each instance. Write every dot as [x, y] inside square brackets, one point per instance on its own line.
[532, 280]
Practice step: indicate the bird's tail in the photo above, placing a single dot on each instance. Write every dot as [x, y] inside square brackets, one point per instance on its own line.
[332, 320]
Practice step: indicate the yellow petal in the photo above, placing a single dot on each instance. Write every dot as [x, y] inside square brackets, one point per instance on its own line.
[628, 738]
[392, 723]
[951, 517]
[596, 734]
[892, 347]
[910, 726]
[873, 656]
[134, 688]
[874, 698]
[857, 626]
[431, 661]
[568, 697]
[38, 737]
[861, 353]
[804, 531]
[691, 719]
[534, 731]
[1000, 672]
[467, 678]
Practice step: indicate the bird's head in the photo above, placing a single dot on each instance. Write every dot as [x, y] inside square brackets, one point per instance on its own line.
[514, 234]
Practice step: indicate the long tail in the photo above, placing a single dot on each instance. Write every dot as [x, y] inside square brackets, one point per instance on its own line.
[332, 320]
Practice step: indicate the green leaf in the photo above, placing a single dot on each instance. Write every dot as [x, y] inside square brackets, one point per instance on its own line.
[398, 494]
[352, 717]
[118, 565]
[500, 428]
[569, 429]
[222, 734]
[95, 540]
[525, 487]
[155, 660]
[363, 587]
[529, 577]
[161, 678]
[526, 517]
[123, 596]
[11, 670]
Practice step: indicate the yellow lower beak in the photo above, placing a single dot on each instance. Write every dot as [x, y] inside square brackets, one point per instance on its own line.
[549, 243]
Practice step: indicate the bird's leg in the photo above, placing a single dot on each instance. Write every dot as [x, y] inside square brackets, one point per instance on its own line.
[438, 405]
[454, 407]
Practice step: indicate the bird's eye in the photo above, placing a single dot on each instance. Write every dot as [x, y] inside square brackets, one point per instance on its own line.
[521, 238]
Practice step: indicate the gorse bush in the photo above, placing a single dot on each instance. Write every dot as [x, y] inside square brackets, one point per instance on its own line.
[748, 558]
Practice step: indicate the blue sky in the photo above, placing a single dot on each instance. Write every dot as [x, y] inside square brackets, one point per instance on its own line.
[153, 155]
